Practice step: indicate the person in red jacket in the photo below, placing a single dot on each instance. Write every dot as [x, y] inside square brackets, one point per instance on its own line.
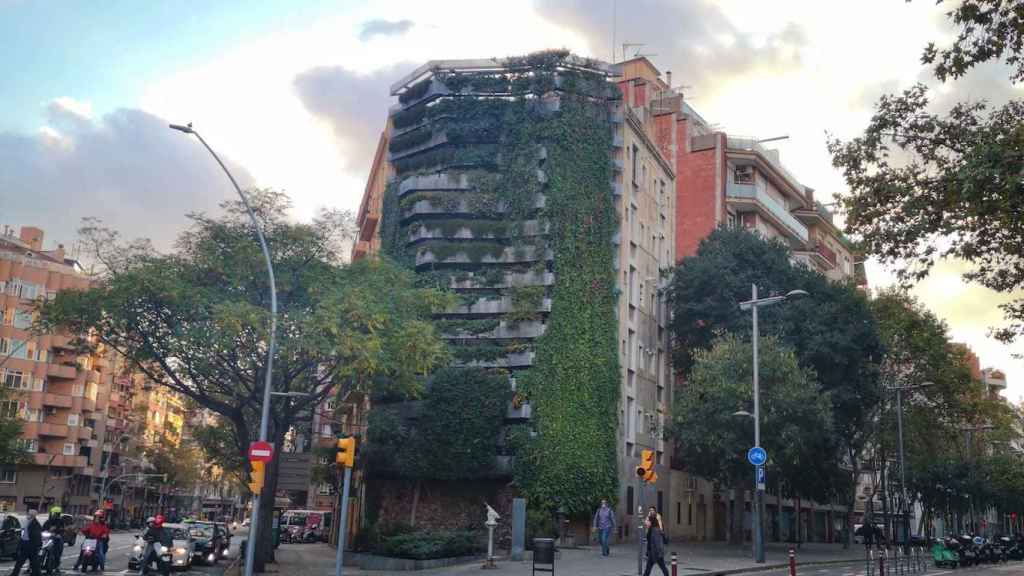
[98, 530]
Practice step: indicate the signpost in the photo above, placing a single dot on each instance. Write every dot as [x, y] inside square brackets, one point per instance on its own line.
[760, 478]
[757, 456]
[261, 452]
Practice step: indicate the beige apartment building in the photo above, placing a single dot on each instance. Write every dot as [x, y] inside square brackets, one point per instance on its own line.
[61, 395]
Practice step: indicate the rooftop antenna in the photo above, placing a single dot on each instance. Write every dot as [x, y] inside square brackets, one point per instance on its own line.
[774, 138]
[614, 22]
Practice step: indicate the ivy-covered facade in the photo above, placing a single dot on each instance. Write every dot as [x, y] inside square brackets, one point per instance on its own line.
[525, 186]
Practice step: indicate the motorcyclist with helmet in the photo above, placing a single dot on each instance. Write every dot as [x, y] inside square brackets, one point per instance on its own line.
[155, 533]
[98, 530]
[55, 525]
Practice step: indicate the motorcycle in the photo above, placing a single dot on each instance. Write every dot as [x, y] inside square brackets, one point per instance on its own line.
[88, 557]
[141, 553]
[968, 551]
[49, 561]
[311, 535]
[1014, 548]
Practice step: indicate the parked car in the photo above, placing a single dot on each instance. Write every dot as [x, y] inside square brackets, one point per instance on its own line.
[10, 534]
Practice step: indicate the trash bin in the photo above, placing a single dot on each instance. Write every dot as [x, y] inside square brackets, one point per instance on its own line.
[544, 553]
[276, 529]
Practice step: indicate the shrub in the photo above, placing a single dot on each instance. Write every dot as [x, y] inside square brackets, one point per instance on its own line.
[430, 545]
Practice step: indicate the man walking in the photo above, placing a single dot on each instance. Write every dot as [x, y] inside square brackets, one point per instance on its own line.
[604, 523]
[28, 547]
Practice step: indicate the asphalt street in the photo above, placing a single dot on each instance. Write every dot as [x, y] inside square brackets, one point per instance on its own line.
[121, 544]
[859, 570]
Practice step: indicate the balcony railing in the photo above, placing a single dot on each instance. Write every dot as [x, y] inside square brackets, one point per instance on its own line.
[753, 195]
[57, 400]
[61, 371]
[751, 145]
[825, 252]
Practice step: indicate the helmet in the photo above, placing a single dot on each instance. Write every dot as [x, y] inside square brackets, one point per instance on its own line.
[56, 510]
[159, 520]
[99, 514]
[150, 520]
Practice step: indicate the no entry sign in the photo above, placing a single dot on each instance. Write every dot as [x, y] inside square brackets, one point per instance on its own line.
[261, 452]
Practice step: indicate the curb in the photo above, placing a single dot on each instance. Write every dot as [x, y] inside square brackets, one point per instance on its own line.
[768, 567]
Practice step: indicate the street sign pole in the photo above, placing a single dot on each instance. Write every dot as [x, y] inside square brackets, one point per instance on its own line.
[343, 523]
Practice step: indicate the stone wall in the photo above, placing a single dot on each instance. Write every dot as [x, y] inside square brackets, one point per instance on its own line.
[444, 505]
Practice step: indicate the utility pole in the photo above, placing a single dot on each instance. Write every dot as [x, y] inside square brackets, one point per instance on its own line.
[904, 495]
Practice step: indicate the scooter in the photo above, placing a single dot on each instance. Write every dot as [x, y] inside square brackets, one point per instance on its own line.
[1014, 549]
[968, 551]
[49, 562]
[88, 557]
[946, 552]
[141, 553]
[312, 534]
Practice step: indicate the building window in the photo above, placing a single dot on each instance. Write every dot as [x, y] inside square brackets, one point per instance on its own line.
[661, 498]
[30, 445]
[78, 389]
[679, 512]
[325, 489]
[8, 476]
[689, 511]
[22, 319]
[8, 410]
[743, 175]
[14, 379]
[635, 158]
[72, 419]
[70, 449]
[629, 500]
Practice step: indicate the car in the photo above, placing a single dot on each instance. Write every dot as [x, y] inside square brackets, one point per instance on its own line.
[211, 541]
[182, 548]
[10, 534]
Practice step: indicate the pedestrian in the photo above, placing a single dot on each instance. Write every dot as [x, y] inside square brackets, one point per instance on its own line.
[28, 547]
[604, 523]
[655, 542]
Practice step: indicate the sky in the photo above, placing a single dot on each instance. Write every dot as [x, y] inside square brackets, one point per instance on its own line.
[293, 94]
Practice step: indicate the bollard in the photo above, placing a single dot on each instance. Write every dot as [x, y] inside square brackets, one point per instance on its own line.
[792, 562]
[881, 562]
[871, 561]
[674, 567]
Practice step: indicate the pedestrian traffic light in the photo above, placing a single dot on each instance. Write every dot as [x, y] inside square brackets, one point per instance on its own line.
[646, 468]
[256, 476]
[346, 456]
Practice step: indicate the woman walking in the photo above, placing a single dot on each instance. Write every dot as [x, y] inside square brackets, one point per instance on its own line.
[655, 543]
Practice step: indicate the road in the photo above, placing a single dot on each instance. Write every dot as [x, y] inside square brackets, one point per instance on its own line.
[121, 544]
[858, 570]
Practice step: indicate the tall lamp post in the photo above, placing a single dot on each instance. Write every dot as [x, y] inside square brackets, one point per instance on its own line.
[905, 502]
[753, 304]
[250, 550]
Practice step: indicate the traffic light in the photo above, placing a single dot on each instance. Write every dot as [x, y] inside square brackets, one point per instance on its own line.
[646, 468]
[346, 456]
[256, 477]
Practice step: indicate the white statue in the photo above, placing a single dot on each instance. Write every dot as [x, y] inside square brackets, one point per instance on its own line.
[492, 516]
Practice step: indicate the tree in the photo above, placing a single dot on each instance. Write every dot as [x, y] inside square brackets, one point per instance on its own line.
[11, 450]
[796, 419]
[926, 185]
[831, 332]
[196, 320]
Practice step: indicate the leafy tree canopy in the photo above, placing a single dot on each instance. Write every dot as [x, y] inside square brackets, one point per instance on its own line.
[796, 417]
[197, 319]
[927, 185]
[11, 451]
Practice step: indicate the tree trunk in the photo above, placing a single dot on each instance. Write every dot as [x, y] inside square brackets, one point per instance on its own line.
[739, 501]
[265, 549]
[799, 523]
[415, 502]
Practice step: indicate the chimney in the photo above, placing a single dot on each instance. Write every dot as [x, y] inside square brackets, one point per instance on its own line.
[59, 253]
[32, 236]
[668, 79]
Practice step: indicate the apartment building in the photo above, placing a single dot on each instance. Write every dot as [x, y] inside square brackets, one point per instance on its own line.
[642, 192]
[62, 395]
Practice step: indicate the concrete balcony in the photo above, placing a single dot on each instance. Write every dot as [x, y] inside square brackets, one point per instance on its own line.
[515, 360]
[522, 413]
[509, 279]
[59, 342]
[66, 461]
[434, 182]
[432, 231]
[491, 306]
[52, 430]
[57, 400]
[509, 255]
[750, 146]
[747, 197]
[62, 371]
[85, 432]
[435, 141]
[531, 329]
[88, 404]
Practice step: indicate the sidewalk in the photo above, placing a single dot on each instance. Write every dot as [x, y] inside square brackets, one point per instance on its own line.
[705, 559]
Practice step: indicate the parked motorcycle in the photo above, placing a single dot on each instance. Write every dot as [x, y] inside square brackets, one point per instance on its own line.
[968, 551]
[1014, 548]
[311, 534]
[946, 552]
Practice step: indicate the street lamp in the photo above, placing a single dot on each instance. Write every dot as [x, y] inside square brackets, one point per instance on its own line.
[250, 551]
[904, 503]
[753, 304]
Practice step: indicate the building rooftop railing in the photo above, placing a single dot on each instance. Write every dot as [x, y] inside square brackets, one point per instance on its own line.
[752, 145]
